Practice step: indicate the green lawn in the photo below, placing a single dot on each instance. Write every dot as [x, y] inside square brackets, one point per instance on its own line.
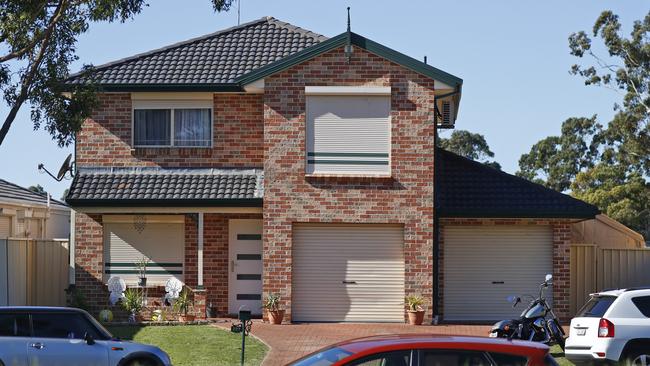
[557, 353]
[195, 345]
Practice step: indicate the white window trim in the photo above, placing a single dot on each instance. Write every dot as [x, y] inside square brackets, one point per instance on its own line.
[171, 106]
[351, 90]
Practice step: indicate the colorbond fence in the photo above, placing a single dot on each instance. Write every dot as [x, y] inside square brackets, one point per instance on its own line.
[33, 272]
[594, 269]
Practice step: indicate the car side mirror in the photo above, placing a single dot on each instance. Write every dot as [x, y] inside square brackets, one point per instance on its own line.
[89, 339]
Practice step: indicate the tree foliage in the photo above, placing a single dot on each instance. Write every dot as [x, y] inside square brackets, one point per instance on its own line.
[38, 189]
[607, 166]
[38, 42]
[470, 145]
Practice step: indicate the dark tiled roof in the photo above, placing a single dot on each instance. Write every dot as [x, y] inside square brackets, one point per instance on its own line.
[10, 191]
[465, 188]
[215, 58]
[166, 187]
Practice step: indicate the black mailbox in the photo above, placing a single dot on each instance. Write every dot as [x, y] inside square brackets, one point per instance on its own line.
[244, 315]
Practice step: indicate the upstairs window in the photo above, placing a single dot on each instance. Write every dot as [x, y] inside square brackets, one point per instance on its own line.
[348, 131]
[169, 123]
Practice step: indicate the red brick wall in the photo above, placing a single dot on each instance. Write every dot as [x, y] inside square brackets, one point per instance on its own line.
[89, 258]
[406, 198]
[561, 256]
[105, 140]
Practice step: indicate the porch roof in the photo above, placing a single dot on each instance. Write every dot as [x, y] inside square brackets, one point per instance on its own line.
[166, 187]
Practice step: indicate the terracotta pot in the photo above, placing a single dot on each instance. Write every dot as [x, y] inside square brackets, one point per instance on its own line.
[276, 316]
[186, 318]
[416, 317]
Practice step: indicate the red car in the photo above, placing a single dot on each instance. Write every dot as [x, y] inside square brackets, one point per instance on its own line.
[429, 350]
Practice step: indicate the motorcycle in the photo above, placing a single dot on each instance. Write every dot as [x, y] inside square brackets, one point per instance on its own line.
[536, 323]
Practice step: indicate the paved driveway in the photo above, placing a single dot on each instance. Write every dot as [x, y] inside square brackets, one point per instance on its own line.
[288, 342]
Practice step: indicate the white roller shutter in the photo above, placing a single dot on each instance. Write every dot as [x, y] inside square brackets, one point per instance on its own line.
[5, 227]
[349, 273]
[348, 134]
[162, 243]
[483, 265]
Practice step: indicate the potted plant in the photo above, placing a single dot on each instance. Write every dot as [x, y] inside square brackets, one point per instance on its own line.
[415, 310]
[132, 302]
[272, 306]
[182, 304]
[141, 267]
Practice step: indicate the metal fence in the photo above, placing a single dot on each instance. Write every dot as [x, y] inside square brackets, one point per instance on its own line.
[594, 269]
[33, 272]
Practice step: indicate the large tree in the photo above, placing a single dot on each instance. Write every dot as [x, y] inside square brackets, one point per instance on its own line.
[608, 165]
[38, 42]
[470, 145]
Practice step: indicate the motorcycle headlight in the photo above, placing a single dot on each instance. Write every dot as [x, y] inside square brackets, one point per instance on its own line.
[539, 324]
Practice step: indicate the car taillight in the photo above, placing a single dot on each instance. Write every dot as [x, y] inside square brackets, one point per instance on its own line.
[605, 329]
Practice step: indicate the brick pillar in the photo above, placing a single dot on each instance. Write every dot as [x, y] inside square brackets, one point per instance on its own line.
[418, 263]
[89, 257]
[561, 269]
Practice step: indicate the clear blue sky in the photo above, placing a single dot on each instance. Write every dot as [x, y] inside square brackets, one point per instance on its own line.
[512, 55]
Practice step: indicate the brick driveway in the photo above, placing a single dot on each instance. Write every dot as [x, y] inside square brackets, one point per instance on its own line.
[288, 342]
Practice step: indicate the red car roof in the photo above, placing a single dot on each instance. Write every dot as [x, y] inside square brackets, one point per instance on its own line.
[402, 341]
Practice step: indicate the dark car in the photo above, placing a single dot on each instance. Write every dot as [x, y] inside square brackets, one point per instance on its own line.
[430, 350]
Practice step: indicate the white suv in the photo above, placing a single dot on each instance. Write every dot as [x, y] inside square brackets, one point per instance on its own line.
[613, 326]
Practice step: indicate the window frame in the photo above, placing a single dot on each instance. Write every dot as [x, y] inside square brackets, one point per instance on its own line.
[172, 105]
[353, 91]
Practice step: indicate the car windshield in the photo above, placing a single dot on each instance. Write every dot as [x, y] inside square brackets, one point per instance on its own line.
[596, 307]
[100, 328]
[325, 357]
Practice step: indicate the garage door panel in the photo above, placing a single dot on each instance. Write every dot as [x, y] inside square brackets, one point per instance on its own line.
[370, 256]
[485, 265]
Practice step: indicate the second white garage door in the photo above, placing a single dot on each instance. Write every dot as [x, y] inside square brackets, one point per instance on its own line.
[348, 273]
[484, 265]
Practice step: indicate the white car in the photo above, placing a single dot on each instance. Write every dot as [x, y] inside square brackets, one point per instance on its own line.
[613, 326]
[52, 336]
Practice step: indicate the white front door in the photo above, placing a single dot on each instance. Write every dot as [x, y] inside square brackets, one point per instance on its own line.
[245, 267]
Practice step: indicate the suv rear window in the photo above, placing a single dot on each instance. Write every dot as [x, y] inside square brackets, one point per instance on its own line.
[596, 307]
[643, 304]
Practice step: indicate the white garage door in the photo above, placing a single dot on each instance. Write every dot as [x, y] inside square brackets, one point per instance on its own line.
[349, 273]
[484, 265]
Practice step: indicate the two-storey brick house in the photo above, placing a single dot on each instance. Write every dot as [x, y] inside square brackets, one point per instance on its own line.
[269, 159]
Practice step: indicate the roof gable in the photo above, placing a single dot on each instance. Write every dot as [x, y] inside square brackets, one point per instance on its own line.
[210, 60]
[359, 41]
[466, 188]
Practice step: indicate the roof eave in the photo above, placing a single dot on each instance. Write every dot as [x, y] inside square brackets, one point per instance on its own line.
[233, 202]
[516, 214]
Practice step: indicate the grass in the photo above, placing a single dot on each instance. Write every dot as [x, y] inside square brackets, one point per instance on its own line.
[558, 354]
[195, 344]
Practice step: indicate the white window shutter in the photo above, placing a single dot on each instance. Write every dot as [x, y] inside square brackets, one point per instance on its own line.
[348, 134]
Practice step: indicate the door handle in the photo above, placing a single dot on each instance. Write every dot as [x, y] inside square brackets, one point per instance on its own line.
[349, 282]
[232, 265]
[498, 282]
[37, 345]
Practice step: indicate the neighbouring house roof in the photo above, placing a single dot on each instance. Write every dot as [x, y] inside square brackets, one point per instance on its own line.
[14, 193]
[166, 187]
[466, 188]
[232, 58]
[210, 60]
